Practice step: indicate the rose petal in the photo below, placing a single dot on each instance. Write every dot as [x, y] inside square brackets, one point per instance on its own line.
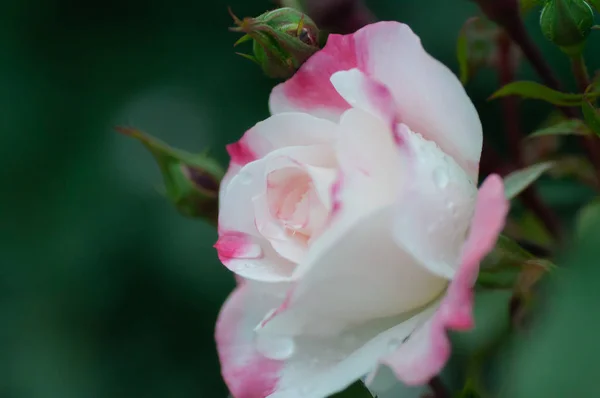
[309, 90]
[357, 252]
[278, 131]
[367, 94]
[247, 373]
[314, 366]
[434, 206]
[428, 96]
[425, 354]
[317, 164]
[292, 136]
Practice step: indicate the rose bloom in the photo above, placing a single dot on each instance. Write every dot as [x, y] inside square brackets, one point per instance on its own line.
[352, 221]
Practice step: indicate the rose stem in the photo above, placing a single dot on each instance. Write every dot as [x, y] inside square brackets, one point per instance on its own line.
[530, 196]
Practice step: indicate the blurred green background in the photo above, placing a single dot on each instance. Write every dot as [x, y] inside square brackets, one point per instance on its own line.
[105, 291]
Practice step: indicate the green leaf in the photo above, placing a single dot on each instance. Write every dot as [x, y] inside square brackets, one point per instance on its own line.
[533, 90]
[517, 181]
[586, 217]
[574, 166]
[558, 354]
[591, 117]
[476, 46]
[506, 253]
[566, 127]
[356, 390]
[509, 266]
[191, 180]
[462, 56]
[501, 267]
[595, 4]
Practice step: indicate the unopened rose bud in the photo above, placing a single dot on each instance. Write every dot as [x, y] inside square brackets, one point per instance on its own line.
[191, 181]
[567, 23]
[283, 40]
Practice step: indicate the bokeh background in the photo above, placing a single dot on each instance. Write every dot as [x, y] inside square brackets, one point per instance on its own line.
[105, 290]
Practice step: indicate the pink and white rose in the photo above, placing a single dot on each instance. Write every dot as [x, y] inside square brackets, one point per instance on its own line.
[352, 221]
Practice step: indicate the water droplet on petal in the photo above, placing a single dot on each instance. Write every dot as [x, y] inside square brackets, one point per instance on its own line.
[275, 347]
[440, 177]
[393, 344]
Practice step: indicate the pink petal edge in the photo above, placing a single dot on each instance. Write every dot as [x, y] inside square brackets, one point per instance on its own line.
[246, 372]
[425, 354]
[310, 89]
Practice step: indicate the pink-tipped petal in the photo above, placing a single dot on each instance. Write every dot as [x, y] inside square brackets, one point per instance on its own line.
[430, 98]
[310, 90]
[427, 95]
[357, 252]
[367, 94]
[247, 373]
[306, 366]
[279, 131]
[428, 349]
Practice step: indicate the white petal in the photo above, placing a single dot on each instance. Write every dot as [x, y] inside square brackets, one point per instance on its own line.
[434, 206]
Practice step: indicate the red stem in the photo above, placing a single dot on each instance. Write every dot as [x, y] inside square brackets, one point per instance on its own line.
[530, 197]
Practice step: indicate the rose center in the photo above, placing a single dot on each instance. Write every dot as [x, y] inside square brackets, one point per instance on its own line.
[294, 203]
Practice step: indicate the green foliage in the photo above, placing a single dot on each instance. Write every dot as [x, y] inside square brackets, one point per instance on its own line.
[557, 356]
[533, 90]
[591, 117]
[476, 46]
[565, 127]
[517, 181]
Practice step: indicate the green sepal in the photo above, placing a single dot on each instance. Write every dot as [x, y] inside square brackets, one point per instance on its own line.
[191, 180]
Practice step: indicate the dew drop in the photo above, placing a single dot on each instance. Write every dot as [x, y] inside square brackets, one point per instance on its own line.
[440, 177]
[275, 347]
[393, 344]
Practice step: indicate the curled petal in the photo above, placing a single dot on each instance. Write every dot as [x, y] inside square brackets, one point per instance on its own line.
[425, 354]
[428, 96]
[434, 205]
[305, 366]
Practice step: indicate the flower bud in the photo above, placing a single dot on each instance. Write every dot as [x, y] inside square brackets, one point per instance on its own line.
[283, 40]
[567, 23]
[191, 181]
